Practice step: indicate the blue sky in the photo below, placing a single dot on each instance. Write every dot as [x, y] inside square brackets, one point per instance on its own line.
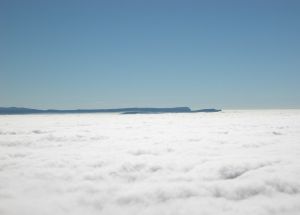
[100, 54]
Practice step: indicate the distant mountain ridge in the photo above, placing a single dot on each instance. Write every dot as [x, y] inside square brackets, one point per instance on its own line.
[135, 110]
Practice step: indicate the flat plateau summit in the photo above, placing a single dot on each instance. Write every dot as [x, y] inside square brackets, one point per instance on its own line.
[135, 110]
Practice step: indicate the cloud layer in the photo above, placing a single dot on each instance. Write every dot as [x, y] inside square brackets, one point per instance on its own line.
[234, 162]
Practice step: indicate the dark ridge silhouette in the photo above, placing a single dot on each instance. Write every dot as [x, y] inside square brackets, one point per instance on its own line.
[207, 110]
[17, 110]
[21, 110]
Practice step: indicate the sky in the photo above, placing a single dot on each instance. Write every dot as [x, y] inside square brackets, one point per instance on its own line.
[140, 53]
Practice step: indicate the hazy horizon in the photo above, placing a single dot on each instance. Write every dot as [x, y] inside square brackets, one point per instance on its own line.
[149, 106]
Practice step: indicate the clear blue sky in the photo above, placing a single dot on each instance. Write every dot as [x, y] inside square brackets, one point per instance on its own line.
[100, 54]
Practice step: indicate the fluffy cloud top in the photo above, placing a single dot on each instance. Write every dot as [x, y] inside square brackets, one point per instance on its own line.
[234, 162]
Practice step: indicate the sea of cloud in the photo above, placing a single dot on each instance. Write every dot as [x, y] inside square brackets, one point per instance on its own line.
[232, 162]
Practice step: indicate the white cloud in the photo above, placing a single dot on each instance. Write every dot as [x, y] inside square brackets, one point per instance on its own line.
[234, 162]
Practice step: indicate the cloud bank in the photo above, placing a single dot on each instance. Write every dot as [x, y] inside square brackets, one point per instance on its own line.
[234, 162]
